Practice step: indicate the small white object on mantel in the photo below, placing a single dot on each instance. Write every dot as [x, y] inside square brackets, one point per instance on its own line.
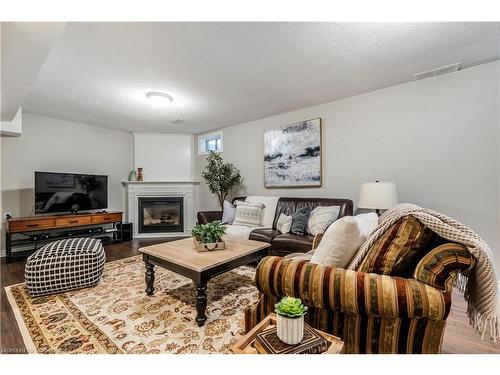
[187, 189]
[190, 182]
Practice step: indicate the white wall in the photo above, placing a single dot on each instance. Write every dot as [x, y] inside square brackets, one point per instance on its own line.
[49, 144]
[165, 157]
[13, 128]
[437, 138]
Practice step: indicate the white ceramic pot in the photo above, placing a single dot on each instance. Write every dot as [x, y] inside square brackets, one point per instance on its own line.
[290, 331]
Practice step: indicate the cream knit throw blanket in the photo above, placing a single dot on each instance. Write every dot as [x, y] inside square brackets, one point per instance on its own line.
[480, 287]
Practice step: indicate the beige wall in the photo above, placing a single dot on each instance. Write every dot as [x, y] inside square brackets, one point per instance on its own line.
[49, 144]
[165, 157]
[437, 138]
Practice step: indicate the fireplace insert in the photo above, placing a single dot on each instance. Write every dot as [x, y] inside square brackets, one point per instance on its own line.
[161, 214]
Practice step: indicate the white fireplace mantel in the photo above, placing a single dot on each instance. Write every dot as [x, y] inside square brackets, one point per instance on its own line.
[189, 190]
[125, 183]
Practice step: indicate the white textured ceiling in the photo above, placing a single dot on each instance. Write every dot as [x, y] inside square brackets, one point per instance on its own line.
[25, 47]
[222, 74]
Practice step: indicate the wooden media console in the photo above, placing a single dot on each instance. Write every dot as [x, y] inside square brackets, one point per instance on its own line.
[58, 227]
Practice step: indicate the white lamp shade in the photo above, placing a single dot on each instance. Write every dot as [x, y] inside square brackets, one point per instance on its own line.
[377, 195]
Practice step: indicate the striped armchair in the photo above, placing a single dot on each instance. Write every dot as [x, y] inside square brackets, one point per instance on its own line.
[372, 313]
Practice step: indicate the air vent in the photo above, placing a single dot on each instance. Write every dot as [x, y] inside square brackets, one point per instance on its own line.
[437, 71]
[178, 121]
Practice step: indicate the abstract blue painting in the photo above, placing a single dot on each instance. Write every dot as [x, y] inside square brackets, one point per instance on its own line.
[292, 155]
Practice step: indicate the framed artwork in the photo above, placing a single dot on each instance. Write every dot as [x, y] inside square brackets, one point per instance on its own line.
[292, 155]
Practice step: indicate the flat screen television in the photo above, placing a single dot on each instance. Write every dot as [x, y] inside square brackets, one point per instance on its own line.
[69, 192]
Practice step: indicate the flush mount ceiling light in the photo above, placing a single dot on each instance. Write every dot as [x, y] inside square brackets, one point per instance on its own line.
[159, 98]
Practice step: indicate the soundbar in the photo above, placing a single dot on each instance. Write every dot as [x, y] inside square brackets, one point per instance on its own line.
[68, 233]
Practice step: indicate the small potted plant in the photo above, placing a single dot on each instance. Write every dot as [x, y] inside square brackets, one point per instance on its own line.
[290, 320]
[208, 237]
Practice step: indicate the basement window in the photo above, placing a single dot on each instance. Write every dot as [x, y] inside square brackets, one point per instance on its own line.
[209, 142]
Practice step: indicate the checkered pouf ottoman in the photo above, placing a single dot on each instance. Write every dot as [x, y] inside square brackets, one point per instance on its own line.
[64, 265]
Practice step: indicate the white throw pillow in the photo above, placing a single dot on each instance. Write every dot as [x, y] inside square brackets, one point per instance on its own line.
[269, 209]
[343, 238]
[239, 231]
[248, 214]
[320, 218]
[228, 213]
[284, 223]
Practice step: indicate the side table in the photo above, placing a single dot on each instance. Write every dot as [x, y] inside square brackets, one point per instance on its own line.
[246, 344]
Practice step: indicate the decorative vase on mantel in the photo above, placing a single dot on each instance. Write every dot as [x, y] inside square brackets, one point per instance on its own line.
[290, 320]
[140, 176]
[132, 176]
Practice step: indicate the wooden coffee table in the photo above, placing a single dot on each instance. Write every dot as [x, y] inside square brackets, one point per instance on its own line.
[181, 257]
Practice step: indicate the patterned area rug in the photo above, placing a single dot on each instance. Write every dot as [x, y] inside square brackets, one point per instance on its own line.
[117, 316]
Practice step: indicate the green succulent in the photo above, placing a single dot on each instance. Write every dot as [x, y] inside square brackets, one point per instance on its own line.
[290, 307]
[208, 233]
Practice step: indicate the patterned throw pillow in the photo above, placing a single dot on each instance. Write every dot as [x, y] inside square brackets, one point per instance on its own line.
[299, 221]
[321, 217]
[284, 223]
[248, 214]
[400, 248]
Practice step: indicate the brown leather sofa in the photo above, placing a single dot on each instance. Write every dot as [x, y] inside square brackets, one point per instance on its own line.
[286, 243]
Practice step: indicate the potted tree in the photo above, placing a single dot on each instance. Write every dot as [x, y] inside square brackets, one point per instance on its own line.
[208, 237]
[220, 177]
[290, 320]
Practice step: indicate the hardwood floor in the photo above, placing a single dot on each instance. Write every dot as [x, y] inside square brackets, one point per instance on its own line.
[459, 336]
[13, 273]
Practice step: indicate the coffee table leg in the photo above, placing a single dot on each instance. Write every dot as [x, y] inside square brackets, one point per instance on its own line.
[150, 278]
[201, 304]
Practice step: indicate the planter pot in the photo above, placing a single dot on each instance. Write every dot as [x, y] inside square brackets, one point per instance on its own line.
[290, 331]
[202, 247]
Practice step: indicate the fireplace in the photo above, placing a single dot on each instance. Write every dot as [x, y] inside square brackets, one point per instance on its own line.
[161, 214]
